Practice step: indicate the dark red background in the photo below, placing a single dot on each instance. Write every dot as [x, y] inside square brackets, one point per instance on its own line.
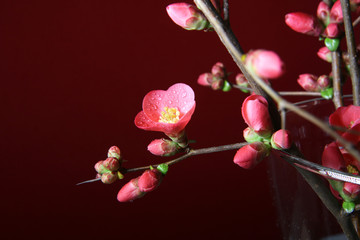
[73, 76]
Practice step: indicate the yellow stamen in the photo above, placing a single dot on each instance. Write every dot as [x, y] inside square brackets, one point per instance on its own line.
[169, 115]
[352, 169]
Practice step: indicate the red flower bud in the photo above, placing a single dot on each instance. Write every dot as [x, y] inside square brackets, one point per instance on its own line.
[336, 14]
[264, 63]
[352, 190]
[325, 54]
[218, 70]
[187, 16]
[205, 79]
[150, 180]
[308, 82]
[109, 177]
[163, 147]
[250, 155]
[218, 84]
[332, 30]
[111, 164]
[256, 115]
[303, 23]
[332, 157]
[130, 191]
[323, 81]
[114, 152]
[281, 139]
[323, 12]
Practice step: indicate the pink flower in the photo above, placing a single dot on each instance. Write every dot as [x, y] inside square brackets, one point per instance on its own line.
[308, 82]
[336, 14]
[349, 118]
[250, 155]
[325, 54]
[150, 180]
[332, 157]
[130, 191]
[163, 147]
[187, 16]
[218, 70]
[205, 79]
[167, 111]
[264, 63]
[281, 139]
[255, 112]
[303, 23]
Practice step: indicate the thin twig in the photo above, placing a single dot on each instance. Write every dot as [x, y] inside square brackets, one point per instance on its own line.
[226, 12]
[350, 42]
[299, 93]
[356, 22]
[336, 72]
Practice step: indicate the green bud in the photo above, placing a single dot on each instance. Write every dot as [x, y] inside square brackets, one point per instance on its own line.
[163, 168]
[332, 43]
[348, 206]
[226, 87]
[327, 93]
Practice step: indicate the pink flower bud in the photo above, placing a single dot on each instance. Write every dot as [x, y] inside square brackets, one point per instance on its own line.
[218, 84]
[187, 16]
[303, 23]
[218, 70]
[112, 164]
[281, 139]
[250, 136]
[352, 190]
[336, 14]
[130, 191]
[163, 147]
[255, 112]
[114, 152]
[241, 80]
[99, 167]
[150, 180]
[323, 12]
[250, 155]
[323, 81]
[332, 157]
[205, 79]
[109, 177]
[332, 30]
[265, 64]
[308, 82]
[325, 54]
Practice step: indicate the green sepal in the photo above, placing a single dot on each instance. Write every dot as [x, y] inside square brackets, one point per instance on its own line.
[151, 167]
[327, 93]
[119, 175]
[226, 87]
[332, 43]
[349, 207]
[163, 168]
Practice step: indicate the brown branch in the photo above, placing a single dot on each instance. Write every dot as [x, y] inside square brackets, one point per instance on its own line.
[336, 72]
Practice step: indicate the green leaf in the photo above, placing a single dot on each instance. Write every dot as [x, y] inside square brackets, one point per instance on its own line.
[163, 168]
[348, 206]
[332, 43]
[327, 93]
[227, 86]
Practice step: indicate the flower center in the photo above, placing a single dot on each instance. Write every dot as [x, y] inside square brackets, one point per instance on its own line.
[169, 115]
[352, 169]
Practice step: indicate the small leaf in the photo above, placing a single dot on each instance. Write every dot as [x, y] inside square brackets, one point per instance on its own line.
[227, 86]
[332, 43]
[327, 93]
[163, 168]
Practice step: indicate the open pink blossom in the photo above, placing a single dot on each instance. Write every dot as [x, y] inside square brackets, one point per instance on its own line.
[349, 118]
[256, 115]
[167, 111]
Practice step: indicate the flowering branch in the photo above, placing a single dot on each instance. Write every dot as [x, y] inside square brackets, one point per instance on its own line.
[354, 68]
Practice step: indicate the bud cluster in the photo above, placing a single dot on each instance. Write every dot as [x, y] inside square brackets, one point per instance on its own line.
[216, 79]
[108, 169]
[312, 83]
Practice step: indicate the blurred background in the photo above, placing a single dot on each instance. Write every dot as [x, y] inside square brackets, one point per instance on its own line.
[73, 76]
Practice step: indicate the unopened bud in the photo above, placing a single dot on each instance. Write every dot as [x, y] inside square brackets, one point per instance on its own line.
[109, 177]
[323, 81]
[336, 14]
[265, 64]
[150, 180]
[323, 12]
[112, 164]
[187, 16]
[303, 23]
[163, 147]
[218, 70]
[218, 84]
[130, 191]
[114, 152]
[281, 139]
[308, 82]
[251, 136]
[332, 30]
[325, 54]
[250, 155]
[205, 79]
